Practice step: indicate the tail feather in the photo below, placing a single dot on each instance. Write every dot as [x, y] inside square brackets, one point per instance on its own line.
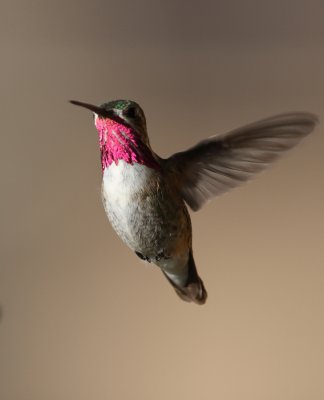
[194, 290]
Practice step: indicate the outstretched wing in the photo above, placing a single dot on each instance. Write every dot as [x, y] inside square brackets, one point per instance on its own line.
[223, 162]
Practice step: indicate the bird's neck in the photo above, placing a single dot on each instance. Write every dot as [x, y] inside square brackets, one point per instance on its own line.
[120, 142]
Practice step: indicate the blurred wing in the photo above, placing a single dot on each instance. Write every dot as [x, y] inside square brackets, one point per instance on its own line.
[223, 162]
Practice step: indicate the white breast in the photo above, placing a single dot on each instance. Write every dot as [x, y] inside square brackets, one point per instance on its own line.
[122, 181]
[120, 185]
[142, 224]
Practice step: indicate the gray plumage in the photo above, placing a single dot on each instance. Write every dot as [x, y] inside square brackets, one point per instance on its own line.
[146, 204]
[223, 162]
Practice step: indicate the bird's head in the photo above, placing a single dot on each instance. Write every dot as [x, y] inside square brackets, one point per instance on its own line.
[125, 113]
[122, 132]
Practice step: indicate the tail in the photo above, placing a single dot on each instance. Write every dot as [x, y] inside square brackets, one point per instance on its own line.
[194, 290]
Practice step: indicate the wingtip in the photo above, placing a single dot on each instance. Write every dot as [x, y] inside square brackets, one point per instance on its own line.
[309, 116]
[315, 119]
[304, 116]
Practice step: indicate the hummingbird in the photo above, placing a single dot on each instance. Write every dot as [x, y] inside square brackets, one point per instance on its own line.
[146, 197]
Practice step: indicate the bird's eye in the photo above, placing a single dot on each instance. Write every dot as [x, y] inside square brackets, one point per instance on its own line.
[130, 112]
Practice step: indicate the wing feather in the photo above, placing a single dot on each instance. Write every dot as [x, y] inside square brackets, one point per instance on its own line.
[223, 162]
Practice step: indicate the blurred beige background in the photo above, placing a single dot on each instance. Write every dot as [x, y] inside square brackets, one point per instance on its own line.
[81, 317]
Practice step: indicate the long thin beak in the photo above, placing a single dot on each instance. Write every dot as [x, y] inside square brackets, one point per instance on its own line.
[96, 109]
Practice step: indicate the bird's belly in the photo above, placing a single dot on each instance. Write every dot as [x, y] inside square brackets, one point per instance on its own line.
[143, 213]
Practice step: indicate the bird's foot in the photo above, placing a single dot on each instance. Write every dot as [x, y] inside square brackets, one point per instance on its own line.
[161, 255]
[142, 257]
